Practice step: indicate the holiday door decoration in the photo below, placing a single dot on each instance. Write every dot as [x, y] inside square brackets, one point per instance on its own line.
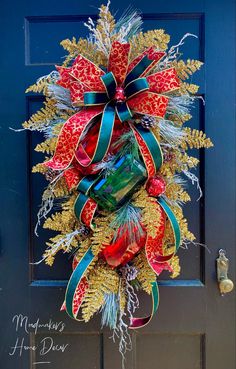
[115, 158]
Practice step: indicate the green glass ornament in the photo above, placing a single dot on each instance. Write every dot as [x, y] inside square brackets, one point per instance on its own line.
[115, 189]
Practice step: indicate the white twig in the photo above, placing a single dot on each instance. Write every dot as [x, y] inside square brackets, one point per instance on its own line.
[173, 53]
[47, 202]
[122, 333]
[186, 243]
[194, 179]
[65, 241]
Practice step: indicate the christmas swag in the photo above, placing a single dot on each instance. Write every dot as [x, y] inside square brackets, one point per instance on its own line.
[116, 156]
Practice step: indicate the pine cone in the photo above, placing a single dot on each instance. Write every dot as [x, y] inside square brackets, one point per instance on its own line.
[168, 156]
[85, 231]
[129, 272]
[148, 122]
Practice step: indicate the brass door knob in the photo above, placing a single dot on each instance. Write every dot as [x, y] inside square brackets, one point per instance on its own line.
[225, 284]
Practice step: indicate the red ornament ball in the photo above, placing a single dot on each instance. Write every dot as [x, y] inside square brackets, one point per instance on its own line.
[119, 94]
[156, 186]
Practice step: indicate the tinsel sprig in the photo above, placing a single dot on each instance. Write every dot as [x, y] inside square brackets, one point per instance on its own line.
[183, 223]
[60, 189]
[175, 265]
[42, 83]
[39, 168]
[84, 47]
[178, 163]
[64, 242]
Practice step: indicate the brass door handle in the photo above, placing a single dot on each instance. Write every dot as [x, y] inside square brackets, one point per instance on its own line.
[225, 284]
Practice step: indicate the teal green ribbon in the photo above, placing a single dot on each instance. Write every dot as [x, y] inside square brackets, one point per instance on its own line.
[133, 87]
[104, 136]
[105, 133]
[123, 111]
[152, 145]
[79, 205]
[85, 184]
[75, 279]
[139, 69]
[175, 227]
[110, 84]
[83, 187]
[95, 98]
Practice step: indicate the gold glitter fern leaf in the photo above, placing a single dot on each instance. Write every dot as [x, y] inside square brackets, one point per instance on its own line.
[146, 276]
[186, 69]
[43, 117]
[102, 280]
[48, 146]
[83, 47]
[195, 139]
[188, 88]
[150, 210]
[140, 42]
[103, 234]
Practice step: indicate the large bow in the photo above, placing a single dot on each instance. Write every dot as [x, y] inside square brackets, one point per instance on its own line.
[124, 90]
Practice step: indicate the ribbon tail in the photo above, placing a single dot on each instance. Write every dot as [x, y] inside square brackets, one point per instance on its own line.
[75, 279]
[141, 322]
[175, 228]
[78, 296]
[123, 111]
[84, 209]
[149, 148]
[69, 138]
[154, 246]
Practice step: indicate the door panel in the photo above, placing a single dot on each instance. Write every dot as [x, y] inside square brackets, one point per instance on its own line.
[194, 327]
